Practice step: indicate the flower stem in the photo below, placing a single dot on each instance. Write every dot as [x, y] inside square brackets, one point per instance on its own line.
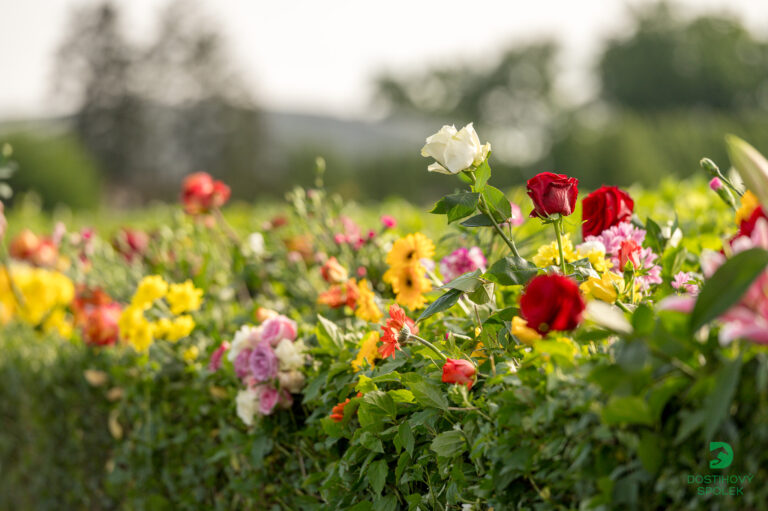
[558, 224]
[428, 345]
[487, 210]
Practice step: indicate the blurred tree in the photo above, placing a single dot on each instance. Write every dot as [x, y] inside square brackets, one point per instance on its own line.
[155, 112]
[669, 62]
[511, 100]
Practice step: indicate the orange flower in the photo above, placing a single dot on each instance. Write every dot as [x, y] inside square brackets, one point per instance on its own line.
[397, 319]
[337, 413]
[340, 295]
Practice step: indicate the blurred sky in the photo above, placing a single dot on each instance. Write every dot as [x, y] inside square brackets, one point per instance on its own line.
[318, 56]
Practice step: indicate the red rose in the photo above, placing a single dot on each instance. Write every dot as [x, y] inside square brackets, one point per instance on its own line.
[552, 302]
[100, 326]
[552, 194]
[747, 226]
[200, 193]
[629, 251]
[605, 207]
[459, 371]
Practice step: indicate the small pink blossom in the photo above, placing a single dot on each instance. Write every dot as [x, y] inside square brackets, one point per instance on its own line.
[715, 184]
[461, 261]
[215, 362]
[361, 271]
[516, 218]
[685, 282]
[388, 221]
[612, 239]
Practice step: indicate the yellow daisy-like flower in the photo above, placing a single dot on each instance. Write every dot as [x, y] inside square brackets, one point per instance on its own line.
[749, 204]
[607, 288]
[410, 249]
[190, 354]
[523, 332]
[162, 328]
[131, 315]
[597, 260]
[140, 336]
[184, 297]
[57, 321]
[367, 309]
[549, 255]
[409, 284]
[369, 351]
[181, 327]
[150, 289]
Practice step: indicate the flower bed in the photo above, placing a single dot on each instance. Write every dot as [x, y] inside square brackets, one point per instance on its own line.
[583, 357]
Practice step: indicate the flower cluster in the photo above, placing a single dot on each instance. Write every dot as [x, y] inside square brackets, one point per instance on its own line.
[201, 193]
[97, 316]
[148, 317]
[462, 260]
[36, 296]
[407, 274]
[268, 360]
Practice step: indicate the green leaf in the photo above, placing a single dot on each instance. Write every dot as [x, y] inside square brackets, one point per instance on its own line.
[445, 302]
[381, 401]
[467, 282]
[370, 441]
[718, 402]
[365, 384]
[482, 174]
[401, 396]
[429, 394]
[481, 220]
[457, 205]
[498, 203]
[642, 320]
[377, 475]
[650, 451]
[449, 444]
[627, 410]
[654, 238]
[483, 294]
[510, 271]
[406, 437]
[328, 334]
[726, 287]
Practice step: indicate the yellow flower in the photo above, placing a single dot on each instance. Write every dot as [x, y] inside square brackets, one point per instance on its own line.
[749, 204]
[523, 332]
[181, 327]
[369, 351]
[479, 352]
[140, 335]
[367, 309]
[57, 321]
[597, 259]
[45, 293]
[608, 288]
[184, 297]
[410, 249]
[150, 289]
[409, 284]
[190, 354]
[162, 328]
[549, 255]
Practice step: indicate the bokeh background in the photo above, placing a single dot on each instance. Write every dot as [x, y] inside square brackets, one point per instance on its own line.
[109, 104]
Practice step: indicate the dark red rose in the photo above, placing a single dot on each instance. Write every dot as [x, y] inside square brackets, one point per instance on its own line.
[605, 207]
[552, 194]
[552, 302]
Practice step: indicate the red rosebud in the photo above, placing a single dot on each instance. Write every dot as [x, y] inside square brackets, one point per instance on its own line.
[100, 325]
[200, 193]
[552, 194]
[459, 371]
[605, 207]
[131, 243]
[629, 251]
[552, 302]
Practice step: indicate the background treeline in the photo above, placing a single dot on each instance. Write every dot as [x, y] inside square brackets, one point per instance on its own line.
[667, 89]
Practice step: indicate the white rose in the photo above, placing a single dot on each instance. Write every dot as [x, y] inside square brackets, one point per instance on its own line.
[247, 405]
[292, 381]
[246, 337]
[455, 151]
[290, 354]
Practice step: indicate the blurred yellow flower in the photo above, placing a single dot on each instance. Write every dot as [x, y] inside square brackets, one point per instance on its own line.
[749, 204]
[190, 354]
[409, 283]
[35, 296]
[181, 327]
[607, 288]
[150, 289]
[523, 332]
[549, 255]
[184, 297]
[410, 249]
[367, 309]
[369, 351]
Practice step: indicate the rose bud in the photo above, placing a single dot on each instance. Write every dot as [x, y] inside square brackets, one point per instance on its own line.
[552, 302]
[629, 252]
[333, 272]
[605, 207]
[200, 193]
[459, 371]
[552, 194]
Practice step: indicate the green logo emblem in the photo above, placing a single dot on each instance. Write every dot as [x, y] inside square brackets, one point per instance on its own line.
[724, 457]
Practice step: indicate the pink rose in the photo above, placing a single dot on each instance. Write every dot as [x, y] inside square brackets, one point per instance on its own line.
[216, 357]
[242, 363]
[278, 328]
[263, 362]
[268, 398]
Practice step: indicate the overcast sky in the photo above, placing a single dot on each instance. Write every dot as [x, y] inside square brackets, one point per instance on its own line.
[319, 55]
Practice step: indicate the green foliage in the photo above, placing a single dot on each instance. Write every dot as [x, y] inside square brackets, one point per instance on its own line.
[57, 168]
